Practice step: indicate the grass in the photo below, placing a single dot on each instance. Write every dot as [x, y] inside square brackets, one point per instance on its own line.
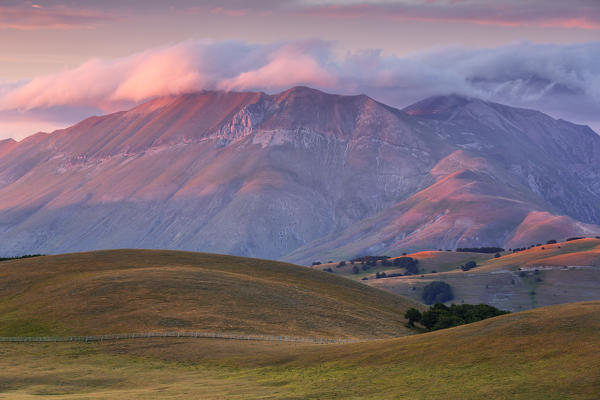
[122, 291]
[499, 281]
[547, 353]
[429, 261]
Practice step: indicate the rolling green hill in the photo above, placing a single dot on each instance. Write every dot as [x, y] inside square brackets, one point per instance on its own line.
[546, 353]
[123, 291]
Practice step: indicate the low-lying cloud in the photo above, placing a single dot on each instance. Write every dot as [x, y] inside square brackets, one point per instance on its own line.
[563, 80]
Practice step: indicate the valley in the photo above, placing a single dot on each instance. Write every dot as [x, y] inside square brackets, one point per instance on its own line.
[543, 275]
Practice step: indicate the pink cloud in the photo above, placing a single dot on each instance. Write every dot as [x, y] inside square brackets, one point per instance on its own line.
[170, 71]
[289, 66]
[110, 85]
[181, 68]
[557, 78]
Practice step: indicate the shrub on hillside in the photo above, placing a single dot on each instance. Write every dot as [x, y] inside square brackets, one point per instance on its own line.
[20, 257]
[408, 263]
[440, 316]
[437, 292]
[574, 238]
[412, 315]
[468, 266]
[480, 249]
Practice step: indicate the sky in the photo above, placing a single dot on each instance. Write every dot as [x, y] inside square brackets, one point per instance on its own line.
[62, 61]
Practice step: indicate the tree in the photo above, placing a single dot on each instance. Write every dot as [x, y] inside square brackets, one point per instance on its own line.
[440, 316]
[469, 265]
[480, 249]
[408, 263]
[355, 270]
[437, 292]
[429, 319]
[412, 315]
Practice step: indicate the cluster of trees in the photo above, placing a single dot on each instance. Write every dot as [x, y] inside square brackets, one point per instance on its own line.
[410, 264]
[468, 265]
[440, 316]
[20, 257]
[380, 275]
[364, 267]
[437, 292]
[516, 250]
[552, 241]
[575, 238]
[369, 259]
[489, 250]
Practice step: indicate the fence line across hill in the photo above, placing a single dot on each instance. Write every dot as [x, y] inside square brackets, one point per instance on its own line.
[209, 335]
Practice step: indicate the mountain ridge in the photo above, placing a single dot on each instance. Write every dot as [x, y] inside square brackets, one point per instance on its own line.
[248, 173]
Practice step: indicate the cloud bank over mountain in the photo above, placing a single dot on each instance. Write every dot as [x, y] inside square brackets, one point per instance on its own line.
[563, 80]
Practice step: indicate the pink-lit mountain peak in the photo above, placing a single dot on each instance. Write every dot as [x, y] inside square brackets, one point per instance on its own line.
[276, 175]
[213, 114]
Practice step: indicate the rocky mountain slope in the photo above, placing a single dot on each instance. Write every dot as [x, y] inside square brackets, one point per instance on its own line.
[299, 175]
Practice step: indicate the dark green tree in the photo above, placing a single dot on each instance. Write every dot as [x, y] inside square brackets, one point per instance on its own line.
[437, 292]
[412, 315]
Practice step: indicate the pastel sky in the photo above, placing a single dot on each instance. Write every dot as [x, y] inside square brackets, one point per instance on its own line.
[64, 60]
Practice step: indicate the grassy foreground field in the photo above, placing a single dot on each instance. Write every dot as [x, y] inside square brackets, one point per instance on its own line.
[547, 353]
[128, 291]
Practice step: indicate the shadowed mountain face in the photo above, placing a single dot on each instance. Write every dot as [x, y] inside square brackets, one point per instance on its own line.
[300, 175]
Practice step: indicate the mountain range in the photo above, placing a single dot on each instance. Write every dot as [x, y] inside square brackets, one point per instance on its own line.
[300, 176]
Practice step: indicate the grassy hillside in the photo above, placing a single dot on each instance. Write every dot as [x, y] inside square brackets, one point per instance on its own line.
[549, 274]
[547, 353]
[429, 261]
[121, 291]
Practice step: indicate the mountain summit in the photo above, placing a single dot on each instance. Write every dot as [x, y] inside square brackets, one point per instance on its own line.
[300, 175]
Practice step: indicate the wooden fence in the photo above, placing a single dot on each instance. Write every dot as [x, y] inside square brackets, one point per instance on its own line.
[211, 335]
